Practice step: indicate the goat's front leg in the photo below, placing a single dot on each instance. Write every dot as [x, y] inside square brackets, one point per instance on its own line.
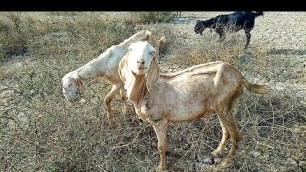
[124, 99]
[160, 129]
[248, 39]
[221, 34]
[107, 102]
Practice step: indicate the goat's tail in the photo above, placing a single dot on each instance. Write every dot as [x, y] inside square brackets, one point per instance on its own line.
[258, 13]
[255, 88]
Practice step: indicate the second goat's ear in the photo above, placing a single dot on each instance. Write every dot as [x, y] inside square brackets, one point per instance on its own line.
[122, 65]
[79, 84]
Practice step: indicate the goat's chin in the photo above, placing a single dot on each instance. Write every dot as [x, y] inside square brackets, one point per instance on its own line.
[72, 99]
[199, 32]
[140, 71]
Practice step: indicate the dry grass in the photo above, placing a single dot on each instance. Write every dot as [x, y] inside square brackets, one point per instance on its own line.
[40, 131]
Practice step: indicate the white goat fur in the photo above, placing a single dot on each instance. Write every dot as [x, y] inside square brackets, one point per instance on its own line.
[198, 91]
[104, 66]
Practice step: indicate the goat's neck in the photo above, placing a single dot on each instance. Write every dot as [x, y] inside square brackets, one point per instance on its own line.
[90, 70]
[137, 90]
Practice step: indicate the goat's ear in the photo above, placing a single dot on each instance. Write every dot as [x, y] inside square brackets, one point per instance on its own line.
[78, 82]
[124, 73]
[148, 36]
[161, 42]
[121, 68]
[153, 74]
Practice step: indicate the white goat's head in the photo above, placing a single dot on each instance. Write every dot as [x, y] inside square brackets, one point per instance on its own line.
[141, 59]
[72, 85]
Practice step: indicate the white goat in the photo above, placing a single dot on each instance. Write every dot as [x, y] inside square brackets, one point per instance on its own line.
[198, 91]
[106, 67]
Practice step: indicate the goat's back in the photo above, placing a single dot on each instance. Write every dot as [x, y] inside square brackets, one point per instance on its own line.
[195, 90]
[238, 19]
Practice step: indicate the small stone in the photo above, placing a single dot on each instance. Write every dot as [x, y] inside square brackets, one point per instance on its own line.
[82, 101]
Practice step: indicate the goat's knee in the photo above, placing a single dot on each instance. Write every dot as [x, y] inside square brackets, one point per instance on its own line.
[124, 99]
[248, 39]
[106, 103]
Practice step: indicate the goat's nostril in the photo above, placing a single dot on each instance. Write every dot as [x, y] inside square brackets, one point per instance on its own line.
[141, 61]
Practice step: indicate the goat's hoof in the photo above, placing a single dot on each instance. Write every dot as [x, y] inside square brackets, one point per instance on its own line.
[160, 169]
[143, 119]
[226, 163]
[216, 153]
[111, 123]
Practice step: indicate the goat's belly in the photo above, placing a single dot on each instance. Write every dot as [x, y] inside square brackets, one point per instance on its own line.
[189, 110]
[189, 116]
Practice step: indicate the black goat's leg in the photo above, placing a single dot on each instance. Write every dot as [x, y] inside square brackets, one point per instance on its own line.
[248, 39]
[221, 36]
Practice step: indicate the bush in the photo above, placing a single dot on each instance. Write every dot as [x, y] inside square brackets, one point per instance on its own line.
[12, 37]
[154, 17]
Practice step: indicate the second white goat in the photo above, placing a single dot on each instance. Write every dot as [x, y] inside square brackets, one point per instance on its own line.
[105, 66]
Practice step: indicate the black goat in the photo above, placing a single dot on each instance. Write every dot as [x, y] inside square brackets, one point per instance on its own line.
[232, 22]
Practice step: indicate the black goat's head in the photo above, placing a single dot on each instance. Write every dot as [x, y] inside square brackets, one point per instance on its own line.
[199, 27]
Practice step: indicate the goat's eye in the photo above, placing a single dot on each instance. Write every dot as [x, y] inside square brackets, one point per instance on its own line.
[69, 84]
[130, 49]
[152, 53]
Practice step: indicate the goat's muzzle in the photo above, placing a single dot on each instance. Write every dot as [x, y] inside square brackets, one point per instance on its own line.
[140, 64]
[140, 61]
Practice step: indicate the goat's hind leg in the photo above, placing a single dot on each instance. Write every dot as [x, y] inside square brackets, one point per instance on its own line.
[221, 34]
[107, 102]
[232, 128]
[225, 137]
[228, 120]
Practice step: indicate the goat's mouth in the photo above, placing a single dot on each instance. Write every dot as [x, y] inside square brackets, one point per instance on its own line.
[198, 32]
[73, 98]
[142, 68]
